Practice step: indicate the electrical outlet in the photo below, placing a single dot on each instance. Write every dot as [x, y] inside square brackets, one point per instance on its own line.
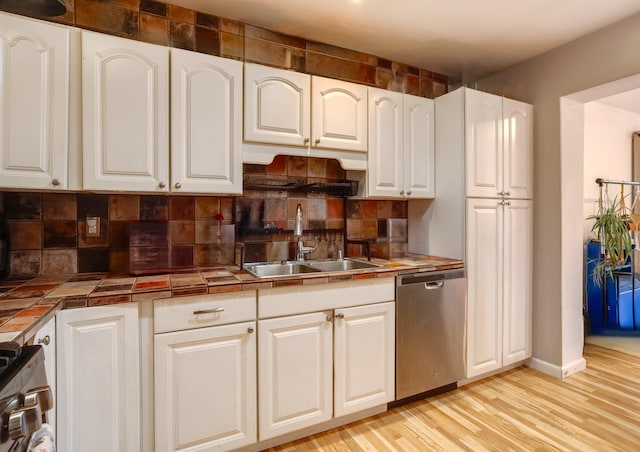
[92, 228]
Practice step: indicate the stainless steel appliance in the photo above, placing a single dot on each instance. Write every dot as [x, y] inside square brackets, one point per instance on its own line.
[430, 316]
[24, 395]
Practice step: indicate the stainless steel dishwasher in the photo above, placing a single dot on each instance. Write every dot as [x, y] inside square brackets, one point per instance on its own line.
[430, 317]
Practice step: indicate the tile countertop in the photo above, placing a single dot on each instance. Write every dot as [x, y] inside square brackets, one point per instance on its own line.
[27, 304]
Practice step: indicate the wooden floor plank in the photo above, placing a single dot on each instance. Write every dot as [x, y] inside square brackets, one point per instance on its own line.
[522, 409]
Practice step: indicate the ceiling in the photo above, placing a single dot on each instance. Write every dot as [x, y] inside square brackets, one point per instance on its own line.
[465, 39]
[628, 100]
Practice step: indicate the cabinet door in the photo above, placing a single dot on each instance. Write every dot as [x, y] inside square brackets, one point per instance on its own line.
[385, 169]
[295, 382]
[277, 105]
[484, 285]
[205, 388]
[98, 378]
[517, 273]
[518, 149]
[125, 100]
[34, 103]
[46, 337]
[483, 138]
[364, 357]
[206, 123]
[339, 115]
[419, 147]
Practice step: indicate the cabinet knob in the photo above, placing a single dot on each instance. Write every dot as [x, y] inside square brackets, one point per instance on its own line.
[402, 192]
[250, 330]
[55, 182]
[24, 421]
[507, 203]
[44, 340]
[329, 318]
[306, 141]
[178, 185]
[162, 185]
[317, 141]
[339, 316]
[409, 193]
[508, 193]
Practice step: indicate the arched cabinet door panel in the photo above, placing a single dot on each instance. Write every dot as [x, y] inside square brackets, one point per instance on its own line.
[35, 67]
[125, 86]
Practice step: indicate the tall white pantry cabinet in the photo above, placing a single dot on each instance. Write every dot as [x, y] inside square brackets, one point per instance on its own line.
[484, 155]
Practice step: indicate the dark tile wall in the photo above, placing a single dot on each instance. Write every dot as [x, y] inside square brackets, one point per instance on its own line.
[47, 230]
[169, 25]
[265, 218]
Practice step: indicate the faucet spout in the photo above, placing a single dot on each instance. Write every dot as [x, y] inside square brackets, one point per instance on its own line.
[301, 250]
[297, 228]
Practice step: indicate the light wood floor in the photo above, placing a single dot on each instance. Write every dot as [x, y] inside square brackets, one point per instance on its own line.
[597, 409]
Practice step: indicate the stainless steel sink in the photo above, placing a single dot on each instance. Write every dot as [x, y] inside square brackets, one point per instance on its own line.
[271, 269]
[280, 269]
[341, 265]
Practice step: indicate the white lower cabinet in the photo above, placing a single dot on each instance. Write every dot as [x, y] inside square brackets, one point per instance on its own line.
[46, 337]
[317, 366]
[98, 379]
[205, 388]
[205, 372]
[499, 249]
[295, 365]
[364, 357]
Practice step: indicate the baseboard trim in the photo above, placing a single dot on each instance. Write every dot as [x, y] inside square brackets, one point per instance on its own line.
[557, 371]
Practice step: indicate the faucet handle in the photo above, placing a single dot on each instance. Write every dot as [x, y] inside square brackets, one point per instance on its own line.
[340, 257]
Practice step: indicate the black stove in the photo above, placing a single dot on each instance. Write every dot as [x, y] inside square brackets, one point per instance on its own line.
[24, 395]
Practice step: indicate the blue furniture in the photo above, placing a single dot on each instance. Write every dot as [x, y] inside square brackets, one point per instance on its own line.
[614, 304]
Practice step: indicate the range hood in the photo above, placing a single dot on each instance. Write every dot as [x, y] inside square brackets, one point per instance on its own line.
[38, 8]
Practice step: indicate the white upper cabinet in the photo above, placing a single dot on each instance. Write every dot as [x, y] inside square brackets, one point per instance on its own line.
[419, 147]
[401, 145]
[518, 149]
[339, 115]
[206, 123]
[499, 140]
[385, 169]
[312, 116]
[277, 106]
[125, 93]
[483, 130]
[36, 66]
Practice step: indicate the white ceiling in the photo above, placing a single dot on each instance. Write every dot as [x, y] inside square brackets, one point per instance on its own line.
[628, 100]
[465, 39]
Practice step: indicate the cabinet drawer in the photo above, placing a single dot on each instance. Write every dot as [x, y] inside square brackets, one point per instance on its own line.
[181, 313]
[282, 301]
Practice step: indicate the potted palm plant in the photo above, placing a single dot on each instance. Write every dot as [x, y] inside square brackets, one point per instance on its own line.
[612, 228]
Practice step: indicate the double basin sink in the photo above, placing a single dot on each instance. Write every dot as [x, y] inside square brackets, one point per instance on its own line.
[293, 268]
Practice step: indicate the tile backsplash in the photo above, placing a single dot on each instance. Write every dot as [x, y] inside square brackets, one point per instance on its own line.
[47, 230]
[170, 25]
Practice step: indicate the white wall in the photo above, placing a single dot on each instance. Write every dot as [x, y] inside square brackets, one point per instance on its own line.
[601, 57]
[607, 153]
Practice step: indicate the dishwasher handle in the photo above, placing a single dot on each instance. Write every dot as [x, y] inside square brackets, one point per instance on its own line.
[434, 285]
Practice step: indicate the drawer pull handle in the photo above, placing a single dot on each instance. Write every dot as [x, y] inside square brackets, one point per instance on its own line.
[208, 311]
[44, 340]
[250, 330]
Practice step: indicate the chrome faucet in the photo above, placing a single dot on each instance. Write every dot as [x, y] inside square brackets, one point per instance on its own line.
[301, 250]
